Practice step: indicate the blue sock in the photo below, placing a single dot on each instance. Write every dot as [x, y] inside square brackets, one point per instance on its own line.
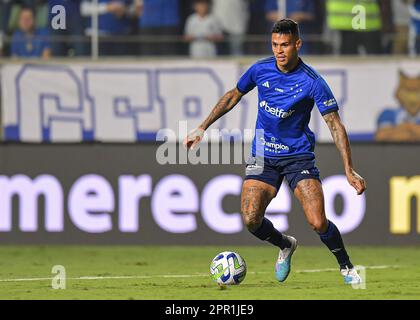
[267, 232]
[332, 239]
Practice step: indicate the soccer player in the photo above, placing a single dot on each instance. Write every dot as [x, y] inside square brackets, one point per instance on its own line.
[287, 90]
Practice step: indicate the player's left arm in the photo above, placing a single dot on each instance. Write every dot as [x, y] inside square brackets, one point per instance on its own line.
[339, 134]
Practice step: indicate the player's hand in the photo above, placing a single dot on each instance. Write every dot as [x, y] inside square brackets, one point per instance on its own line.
[193, 138]
[356, 181]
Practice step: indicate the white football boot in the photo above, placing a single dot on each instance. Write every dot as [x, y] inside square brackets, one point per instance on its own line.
[351, 276]
[283, 264]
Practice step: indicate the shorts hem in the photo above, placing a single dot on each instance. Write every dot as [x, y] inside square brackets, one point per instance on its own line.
[303, 178]
[262, 180]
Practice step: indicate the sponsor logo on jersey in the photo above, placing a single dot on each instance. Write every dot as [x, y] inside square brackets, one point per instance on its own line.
[266, 84]
[280, 113]
[274, 145]
[330, 102]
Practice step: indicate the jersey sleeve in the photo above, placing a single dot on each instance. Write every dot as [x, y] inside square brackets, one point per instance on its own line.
[324, 97]
[248, 80]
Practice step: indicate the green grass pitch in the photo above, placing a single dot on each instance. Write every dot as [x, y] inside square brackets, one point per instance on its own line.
[171, 272]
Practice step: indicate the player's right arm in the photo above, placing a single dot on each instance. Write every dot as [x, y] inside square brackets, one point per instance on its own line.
[226, 103]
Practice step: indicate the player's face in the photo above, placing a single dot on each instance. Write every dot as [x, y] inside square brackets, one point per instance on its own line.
[285, 48]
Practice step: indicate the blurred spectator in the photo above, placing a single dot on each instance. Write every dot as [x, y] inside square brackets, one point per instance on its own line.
[29, 41]
[263, 14]
[401, 22]
[308, 13]
[40, 7]
[113, 21]
[202, 30]
[159, 18]
[340, 18]
[70, 39]
[9, 15]
[414, 42]
[233, 15]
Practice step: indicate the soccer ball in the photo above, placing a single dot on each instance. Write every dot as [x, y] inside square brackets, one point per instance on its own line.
[228, 268]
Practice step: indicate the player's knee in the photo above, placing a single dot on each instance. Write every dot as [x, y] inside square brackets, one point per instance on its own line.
[252, 221]
[319, 225]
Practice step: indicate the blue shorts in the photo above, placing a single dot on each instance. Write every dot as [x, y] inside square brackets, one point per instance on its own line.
[273, 172]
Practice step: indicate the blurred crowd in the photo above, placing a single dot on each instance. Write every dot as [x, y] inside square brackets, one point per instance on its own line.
[207, 28]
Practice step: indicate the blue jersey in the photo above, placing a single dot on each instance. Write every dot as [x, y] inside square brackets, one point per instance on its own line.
[160, 13]
[30, 46]
[109, 24]
[285, 102]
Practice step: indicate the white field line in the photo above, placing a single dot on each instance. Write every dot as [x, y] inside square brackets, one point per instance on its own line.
[335, 269]
[177, 275]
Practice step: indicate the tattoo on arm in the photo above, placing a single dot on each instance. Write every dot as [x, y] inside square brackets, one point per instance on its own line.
[340, 137]
[229, 100]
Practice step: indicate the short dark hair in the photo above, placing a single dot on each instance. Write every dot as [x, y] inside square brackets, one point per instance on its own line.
[286, 26]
